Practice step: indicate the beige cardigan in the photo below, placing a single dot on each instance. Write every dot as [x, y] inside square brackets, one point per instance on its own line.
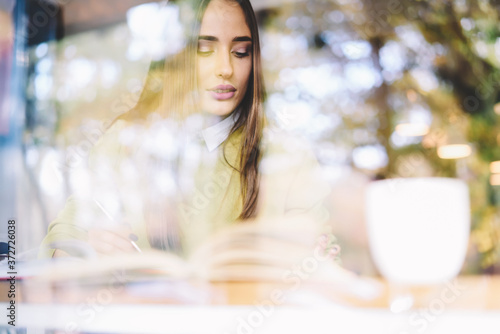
[291, 185]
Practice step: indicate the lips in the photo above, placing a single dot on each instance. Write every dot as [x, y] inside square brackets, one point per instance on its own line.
[222, 92]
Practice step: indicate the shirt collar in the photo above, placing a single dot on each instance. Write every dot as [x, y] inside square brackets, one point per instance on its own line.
[218, 133]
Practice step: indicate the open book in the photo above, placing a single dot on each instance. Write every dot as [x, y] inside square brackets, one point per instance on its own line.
[244, 251]
[278, 251]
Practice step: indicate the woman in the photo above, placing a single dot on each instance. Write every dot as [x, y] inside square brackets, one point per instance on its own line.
[219, 77]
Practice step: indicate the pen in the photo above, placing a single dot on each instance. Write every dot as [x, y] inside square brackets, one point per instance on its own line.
[131, 237]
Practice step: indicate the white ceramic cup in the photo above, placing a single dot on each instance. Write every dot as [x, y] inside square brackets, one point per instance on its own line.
[418, 228]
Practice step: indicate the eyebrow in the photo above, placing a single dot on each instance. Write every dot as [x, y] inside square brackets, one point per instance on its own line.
[215, 39]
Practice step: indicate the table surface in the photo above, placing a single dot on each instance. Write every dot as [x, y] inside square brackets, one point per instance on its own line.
[464, 292]
[470, 303]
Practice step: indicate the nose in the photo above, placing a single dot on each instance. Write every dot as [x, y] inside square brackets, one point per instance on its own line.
[224, 66]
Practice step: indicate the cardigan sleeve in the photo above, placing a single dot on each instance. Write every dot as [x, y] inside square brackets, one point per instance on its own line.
[83, 209]
[65, 232]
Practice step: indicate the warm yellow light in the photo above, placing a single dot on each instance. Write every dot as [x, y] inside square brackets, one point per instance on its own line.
[412, 129]
[411, 95]
[496, 108]
[495, 180]
[456, 151]
[495, 167]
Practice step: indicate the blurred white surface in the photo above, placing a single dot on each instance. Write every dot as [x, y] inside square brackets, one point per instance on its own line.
[248, 319]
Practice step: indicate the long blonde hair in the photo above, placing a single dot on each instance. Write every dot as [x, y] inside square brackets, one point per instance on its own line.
[170, 90]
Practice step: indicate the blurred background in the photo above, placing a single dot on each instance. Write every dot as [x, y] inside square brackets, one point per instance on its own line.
[384, 89]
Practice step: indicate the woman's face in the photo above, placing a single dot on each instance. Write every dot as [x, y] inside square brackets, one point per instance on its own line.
[224, 59]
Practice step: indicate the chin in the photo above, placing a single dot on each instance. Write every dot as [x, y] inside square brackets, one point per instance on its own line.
[219, 110]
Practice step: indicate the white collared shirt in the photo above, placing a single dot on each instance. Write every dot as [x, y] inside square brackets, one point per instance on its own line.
[216, 134]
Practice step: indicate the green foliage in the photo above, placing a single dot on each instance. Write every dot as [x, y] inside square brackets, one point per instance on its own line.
[455, 43]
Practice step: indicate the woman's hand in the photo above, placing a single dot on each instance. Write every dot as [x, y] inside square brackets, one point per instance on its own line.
[60, 253]
[115, 241]
[118, 240]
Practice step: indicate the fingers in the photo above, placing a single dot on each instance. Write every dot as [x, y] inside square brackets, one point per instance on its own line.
[60, 253]
[111, 241]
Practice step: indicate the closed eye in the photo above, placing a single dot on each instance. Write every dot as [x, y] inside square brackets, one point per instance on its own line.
[241, 54]
[205, 53]
[205, 47]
